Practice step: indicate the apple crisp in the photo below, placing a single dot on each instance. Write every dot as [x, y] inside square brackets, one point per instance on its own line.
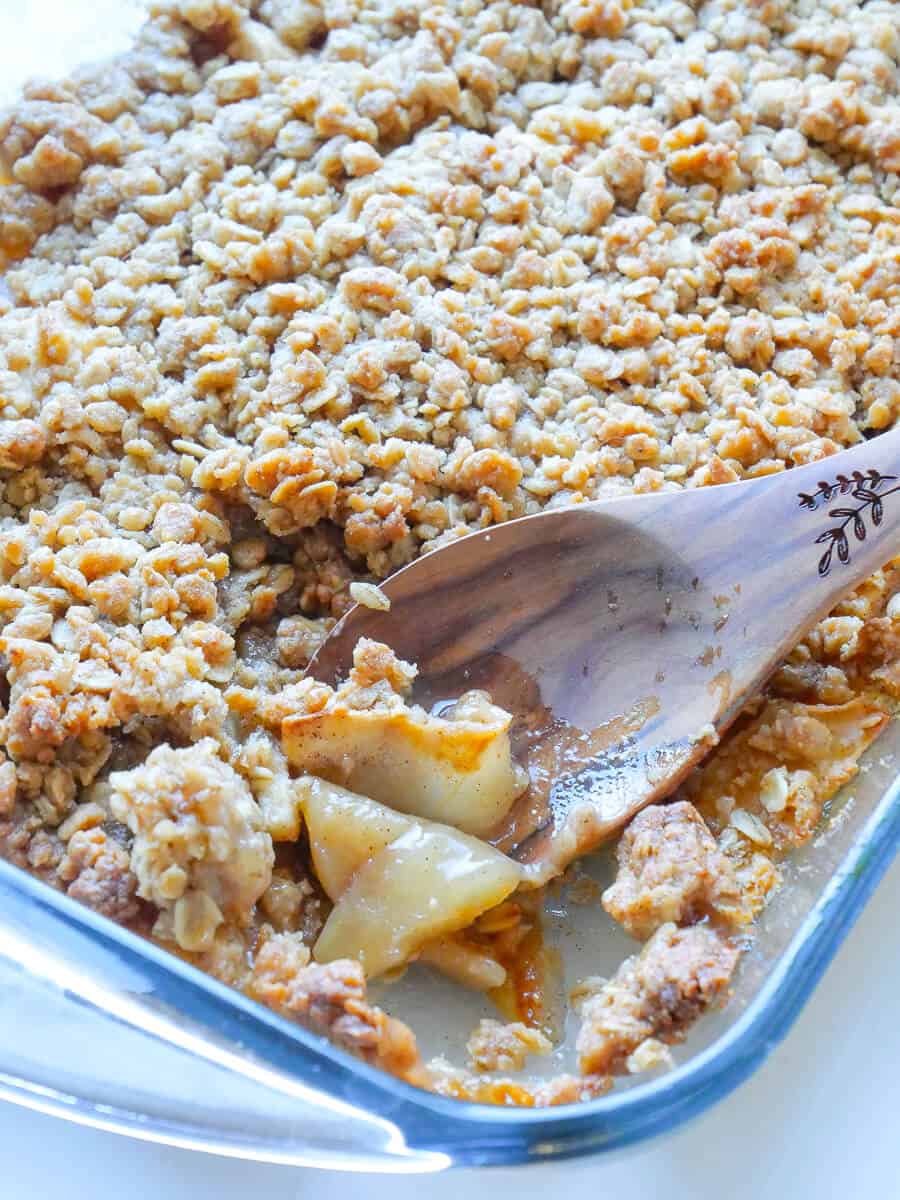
[298, 289]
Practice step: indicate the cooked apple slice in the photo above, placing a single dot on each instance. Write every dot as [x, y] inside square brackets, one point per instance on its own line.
[428, 882]
[459, 770]
[397, 882]
[345, 830]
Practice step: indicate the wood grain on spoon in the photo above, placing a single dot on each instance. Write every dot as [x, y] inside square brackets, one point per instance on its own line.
[626, 635]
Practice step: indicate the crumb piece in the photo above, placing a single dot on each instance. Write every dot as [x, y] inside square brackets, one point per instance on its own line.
[494, 1046]
[447, 1080]
[375, 663]
[22, 443]
[98, 873]
[293, 905]
[657, 994]
[750, 826]
[297, 639]
[199, 851]
[8, 788]
[370, 596]
[84, 816]
[650, 1055]
[330, 999]
[670, 869]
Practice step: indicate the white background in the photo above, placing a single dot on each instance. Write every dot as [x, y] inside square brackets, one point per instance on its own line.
[819, 1120]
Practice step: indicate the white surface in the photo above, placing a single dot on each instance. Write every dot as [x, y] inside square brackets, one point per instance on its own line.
[819, 1120]
[49, 38]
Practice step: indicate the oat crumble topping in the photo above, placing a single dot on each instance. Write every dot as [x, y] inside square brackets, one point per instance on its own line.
[298, 289]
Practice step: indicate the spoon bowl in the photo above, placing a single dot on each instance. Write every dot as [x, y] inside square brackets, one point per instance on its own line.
[625, 635]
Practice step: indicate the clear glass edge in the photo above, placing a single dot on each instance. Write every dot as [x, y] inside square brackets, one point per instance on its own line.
[427, 1132]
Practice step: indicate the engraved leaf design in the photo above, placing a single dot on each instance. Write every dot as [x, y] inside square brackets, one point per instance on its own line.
[865, 493]
[862, 484]
[865, 486]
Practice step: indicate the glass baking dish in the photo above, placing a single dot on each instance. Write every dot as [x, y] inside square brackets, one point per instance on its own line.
[102, 1028]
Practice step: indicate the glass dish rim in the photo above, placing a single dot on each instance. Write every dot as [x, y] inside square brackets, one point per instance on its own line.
[440, 1131]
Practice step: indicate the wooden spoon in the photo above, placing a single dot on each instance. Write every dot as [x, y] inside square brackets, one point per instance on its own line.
[626, 635]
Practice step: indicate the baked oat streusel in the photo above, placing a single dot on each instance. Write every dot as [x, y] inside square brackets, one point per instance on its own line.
[298, 289]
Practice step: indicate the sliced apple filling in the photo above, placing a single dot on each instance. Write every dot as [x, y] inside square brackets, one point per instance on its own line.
[454, 769]
[397, 882]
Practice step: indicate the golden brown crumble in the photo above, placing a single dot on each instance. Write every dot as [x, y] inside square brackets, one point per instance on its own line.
[657, 994]
[331, 998]
[98, 872]
[671, 869]
[298, 291]
[199, 851]
[494, 1046]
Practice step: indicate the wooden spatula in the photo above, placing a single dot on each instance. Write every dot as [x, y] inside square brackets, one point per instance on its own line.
[625, 635]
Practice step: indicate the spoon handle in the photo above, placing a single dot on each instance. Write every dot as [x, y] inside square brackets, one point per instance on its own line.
[835, 521]
[771, 556]
[779, 552]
